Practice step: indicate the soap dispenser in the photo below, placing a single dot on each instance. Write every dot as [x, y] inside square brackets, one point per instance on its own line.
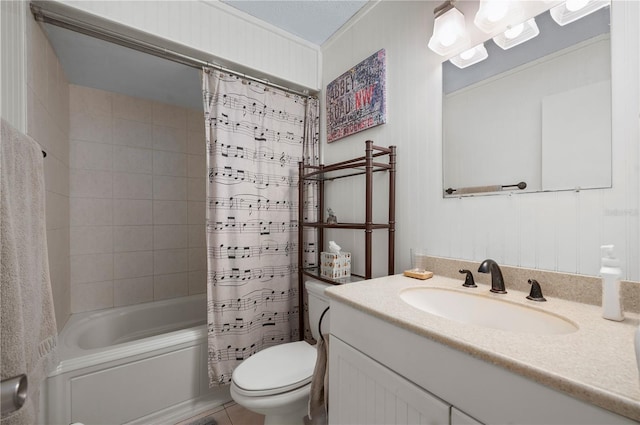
[610, 272]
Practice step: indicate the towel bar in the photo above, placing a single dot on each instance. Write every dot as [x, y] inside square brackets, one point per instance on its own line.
[478, 189]
[14, 394]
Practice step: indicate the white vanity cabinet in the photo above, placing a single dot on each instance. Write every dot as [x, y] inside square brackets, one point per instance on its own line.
[460, 418]
[383, 373]
[365, 392]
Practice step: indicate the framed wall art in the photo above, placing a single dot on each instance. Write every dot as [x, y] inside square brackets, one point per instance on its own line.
[356, 99]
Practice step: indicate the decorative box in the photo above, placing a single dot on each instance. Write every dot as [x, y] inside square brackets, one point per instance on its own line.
[335, 266]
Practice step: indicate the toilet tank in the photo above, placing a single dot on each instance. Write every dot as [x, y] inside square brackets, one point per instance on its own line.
[318, 302]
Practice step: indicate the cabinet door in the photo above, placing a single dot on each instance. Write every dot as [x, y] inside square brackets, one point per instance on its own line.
[362, 391]
[461, 418]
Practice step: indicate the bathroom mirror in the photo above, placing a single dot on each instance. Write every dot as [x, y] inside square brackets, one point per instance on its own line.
[538, 113]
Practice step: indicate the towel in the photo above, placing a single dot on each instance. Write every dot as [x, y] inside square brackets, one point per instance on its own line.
[478, 189]
[27, 321]
[319, 394]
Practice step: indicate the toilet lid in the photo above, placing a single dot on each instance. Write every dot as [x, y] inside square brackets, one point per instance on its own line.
[277, 369]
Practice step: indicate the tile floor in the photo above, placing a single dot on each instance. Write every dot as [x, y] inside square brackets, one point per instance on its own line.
[228, 414]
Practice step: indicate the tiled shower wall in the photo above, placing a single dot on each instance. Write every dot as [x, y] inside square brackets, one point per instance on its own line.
[137, 185]
[48, 124]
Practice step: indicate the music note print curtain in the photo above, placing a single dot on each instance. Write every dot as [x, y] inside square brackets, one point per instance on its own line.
[255, 135]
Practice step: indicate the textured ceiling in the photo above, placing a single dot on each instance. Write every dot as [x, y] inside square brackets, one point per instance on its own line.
[312, 20]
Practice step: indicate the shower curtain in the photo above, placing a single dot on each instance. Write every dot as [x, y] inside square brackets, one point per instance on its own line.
[255, 135]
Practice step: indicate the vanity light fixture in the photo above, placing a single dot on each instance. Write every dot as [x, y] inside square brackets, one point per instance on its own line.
[494, 15]
[469, 57]
[517, 34]
[449, 29]
[572, 10]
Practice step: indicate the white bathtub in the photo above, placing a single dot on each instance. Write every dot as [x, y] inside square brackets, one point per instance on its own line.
[139, 364]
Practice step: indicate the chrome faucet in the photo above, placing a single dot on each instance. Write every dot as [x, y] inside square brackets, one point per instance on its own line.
[497, 281]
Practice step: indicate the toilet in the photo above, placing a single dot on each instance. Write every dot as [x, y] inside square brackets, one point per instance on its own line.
[275, 382]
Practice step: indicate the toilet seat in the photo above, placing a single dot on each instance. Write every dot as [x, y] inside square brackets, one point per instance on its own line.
[275, 370]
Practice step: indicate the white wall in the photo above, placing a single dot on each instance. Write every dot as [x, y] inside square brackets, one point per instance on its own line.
[559, 231]
[212, 31]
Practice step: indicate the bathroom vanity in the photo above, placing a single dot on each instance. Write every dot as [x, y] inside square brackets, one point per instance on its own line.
[391, 362]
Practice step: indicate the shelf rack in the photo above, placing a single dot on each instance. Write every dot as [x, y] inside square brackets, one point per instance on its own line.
[371, 162]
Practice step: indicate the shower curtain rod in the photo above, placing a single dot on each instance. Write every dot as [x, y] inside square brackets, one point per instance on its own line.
[62, 21]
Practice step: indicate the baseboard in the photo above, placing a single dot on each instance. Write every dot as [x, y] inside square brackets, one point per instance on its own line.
[187, 409]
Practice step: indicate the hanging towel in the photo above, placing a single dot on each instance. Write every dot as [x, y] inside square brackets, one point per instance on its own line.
[27, 321]
[319, 393]
[478, 189]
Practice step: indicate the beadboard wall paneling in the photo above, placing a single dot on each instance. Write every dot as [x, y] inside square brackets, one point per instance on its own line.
[13, 103]
[557, 231]
[218, 32]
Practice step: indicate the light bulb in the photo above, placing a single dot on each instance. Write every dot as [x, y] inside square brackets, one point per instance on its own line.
[468, 54]
[447, 38]
[572, 10]
[470, 57]
[573, 5]
[449, 33]
[496, 10]
[514, 31]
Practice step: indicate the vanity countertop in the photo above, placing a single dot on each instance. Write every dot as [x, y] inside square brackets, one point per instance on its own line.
[596, 363]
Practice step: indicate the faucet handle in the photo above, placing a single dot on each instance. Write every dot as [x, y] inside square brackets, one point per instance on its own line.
[536, 291]
[468, 280]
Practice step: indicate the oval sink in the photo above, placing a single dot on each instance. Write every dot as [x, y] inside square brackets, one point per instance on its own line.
[484, 310]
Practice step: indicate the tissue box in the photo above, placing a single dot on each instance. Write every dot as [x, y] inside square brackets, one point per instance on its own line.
[335, 266]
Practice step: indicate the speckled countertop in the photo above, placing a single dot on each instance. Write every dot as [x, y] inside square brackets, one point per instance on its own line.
[596, 363]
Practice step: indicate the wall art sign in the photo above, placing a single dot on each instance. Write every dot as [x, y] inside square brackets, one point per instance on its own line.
[356, 99]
